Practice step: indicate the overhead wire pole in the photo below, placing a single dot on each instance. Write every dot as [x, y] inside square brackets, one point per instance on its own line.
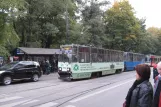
[67, 23]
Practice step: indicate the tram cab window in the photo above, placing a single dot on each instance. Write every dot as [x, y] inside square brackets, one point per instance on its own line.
[63, 58]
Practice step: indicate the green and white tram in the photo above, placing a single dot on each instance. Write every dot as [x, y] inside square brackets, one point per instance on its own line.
[79, 61]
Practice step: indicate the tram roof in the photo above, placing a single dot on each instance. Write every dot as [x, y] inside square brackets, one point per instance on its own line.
[135, 53]
[88, 46]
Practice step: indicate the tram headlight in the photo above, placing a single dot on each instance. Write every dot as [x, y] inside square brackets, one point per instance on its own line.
[60, 69]
[68, 69]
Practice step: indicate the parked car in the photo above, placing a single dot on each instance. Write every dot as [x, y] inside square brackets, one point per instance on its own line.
[19, 70]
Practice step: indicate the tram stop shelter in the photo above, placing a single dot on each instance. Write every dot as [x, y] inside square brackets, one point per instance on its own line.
[36, 54]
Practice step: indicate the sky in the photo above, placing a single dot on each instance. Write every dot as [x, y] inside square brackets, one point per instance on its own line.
[149, 9]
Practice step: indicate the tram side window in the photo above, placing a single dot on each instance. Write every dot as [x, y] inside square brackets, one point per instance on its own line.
[143, 58]
[135, 57]
[130, 56]
[116, 56]
[105, 55]
[100, 55]
[94, 54]
[125, 56]
[111, 55]
[155, 59]
[119, 56]
[139, 58]
[74, 55]
[84, 54]
[122, 56]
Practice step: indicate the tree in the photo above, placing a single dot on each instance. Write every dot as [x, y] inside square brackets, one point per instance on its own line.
[9, 9]
[92, 22]
[45, 22]
[154, 31]
[122, 27]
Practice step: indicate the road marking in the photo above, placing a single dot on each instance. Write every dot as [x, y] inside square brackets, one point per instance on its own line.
[13, 104]
[50, 104]
[9, 99]
[3, 95]
[70, 106]
[90, 95]
[29, 102]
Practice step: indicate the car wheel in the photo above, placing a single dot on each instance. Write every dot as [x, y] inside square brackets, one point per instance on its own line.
[35, 77]
[7, 80]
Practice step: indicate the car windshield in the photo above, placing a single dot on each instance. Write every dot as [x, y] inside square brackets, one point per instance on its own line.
[8, 66]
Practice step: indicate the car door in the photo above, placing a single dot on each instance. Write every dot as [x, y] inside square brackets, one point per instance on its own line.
[29, 70]
[19, 71]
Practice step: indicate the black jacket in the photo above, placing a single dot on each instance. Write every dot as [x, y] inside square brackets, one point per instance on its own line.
[155, 73]
[142, 95]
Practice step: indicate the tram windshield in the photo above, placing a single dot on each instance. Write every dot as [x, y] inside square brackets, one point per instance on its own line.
[66, 55]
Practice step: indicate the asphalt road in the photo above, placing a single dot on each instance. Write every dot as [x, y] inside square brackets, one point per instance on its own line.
[107, 91]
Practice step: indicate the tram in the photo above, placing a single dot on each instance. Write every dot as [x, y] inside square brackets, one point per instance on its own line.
[79, 61]
[154, 59]
[133, 59]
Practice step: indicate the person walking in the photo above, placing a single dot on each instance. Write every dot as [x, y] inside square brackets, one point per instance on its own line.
[157, 88]
[1, 63]
[47, 67]
[141, 92]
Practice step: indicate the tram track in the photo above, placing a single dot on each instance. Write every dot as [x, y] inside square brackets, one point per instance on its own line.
[75, 95]
[75, 84]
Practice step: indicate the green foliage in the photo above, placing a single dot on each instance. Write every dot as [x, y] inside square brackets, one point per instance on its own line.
[9, 9]
[122, 27]
[45, 22]
[3, 51]
[92, 23]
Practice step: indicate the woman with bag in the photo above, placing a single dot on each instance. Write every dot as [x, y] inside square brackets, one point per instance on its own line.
[141, 92]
